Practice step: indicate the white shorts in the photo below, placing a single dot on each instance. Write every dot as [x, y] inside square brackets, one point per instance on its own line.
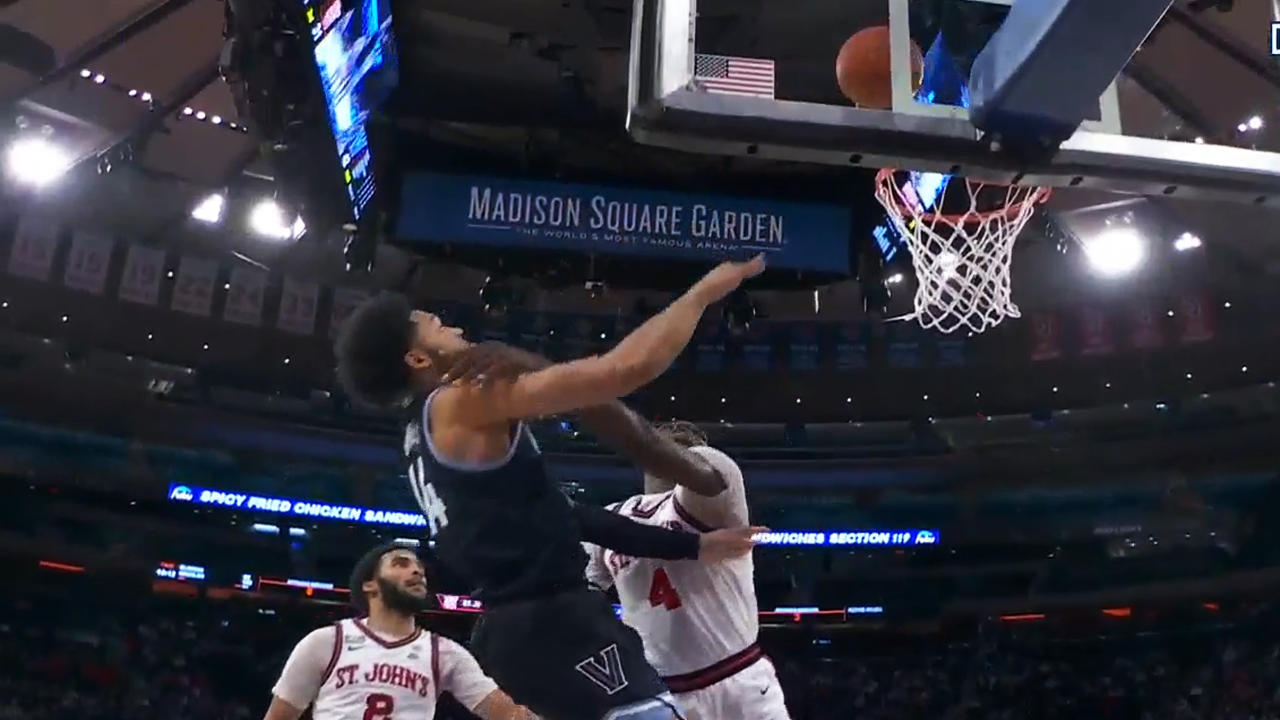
[752, 694]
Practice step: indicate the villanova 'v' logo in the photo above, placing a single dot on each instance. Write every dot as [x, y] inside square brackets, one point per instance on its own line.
[605, 669]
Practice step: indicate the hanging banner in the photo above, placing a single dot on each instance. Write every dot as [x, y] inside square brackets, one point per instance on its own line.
[1146, 331]
[88, 260]
[1095, 332]
[193, 289]
[34, 243]
[345, 301]
[465, 210]
[949, 351]
[140, 279]
[532, 334]
[298, 302]
[904, 344]
[708, 346]
[245, 293]
[803, 351]
[852, 346]
[1046, 337]
[1195, 318]
[756, 348]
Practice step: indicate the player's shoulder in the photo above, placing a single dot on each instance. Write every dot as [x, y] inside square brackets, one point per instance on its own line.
[642, 505]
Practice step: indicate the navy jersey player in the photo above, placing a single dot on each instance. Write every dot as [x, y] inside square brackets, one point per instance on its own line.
[546, 636]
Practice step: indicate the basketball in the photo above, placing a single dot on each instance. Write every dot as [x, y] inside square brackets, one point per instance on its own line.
[862, 68]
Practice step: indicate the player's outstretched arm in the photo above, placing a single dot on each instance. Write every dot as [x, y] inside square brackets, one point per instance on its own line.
[303, 674]
[624, 535]
[641, 357]
[616, 424]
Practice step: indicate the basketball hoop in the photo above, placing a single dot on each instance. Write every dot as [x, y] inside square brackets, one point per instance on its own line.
[961, 260]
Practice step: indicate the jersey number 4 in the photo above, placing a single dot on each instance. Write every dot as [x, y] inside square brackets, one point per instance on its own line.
[432, 506]
[662, 592]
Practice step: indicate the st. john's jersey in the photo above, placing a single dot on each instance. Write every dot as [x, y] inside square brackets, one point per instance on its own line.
[692, 616]
[348, 672]
[504, 525]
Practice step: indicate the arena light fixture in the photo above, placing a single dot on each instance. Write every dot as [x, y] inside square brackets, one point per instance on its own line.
[1186, 241]
[267, 219]
[36, 161]
[1116, 251]
[210, 209]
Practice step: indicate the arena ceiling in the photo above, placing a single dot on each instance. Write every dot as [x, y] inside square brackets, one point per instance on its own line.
[134, 84]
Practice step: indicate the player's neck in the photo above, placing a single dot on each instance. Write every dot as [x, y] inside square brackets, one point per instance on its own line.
[392, 625]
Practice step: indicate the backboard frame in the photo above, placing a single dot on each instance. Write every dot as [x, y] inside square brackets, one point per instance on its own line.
[904, 96]
[665, 110]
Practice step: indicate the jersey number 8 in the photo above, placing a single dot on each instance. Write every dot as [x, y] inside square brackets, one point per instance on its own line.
[378, 706]
[662, 592]
[432, 506]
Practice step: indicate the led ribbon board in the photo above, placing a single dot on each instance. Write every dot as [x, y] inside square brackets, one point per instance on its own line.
[314, 510]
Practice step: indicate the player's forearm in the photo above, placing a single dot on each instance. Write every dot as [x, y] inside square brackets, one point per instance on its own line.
[637, 440]
[620, 534]
[649, 350]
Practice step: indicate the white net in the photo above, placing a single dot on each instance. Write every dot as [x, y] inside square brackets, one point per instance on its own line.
[961, 261]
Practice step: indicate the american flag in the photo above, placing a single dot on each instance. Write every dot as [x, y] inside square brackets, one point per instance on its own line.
[725, 75]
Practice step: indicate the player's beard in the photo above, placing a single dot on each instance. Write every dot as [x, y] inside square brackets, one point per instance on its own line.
[399, 600]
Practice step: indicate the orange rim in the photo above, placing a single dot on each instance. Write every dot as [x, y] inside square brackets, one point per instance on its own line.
[1035, 196]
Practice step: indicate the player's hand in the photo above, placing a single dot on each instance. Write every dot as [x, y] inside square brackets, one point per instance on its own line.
[490, 361]
[726, 277]
[727, 544]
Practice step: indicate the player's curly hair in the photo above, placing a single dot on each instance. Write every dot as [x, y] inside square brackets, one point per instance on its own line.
[366, 569]
[685, 433]
[370, 350]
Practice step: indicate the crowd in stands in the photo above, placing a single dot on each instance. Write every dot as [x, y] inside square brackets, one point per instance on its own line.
[75, 658]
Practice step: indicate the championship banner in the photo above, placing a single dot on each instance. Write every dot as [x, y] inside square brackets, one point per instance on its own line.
[532, 332]
[803, 350]
[852, 346]
[299, 301]
[140, 279]
[345, 301]
[496, 328]
[193, 289]
[1095, 332]
[87, 263]
[755, 348]
[34, 243]
[1146, 330]
[1195, 318]
[1046, 337]
[903, 350]
[246, 290]
[708, 346]
[580, 337]
[552, 216]
[948, 351]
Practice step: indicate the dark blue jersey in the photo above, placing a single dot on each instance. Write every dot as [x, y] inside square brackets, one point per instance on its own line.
[504, 525]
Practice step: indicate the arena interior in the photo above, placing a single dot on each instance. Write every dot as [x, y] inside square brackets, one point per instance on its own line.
[1062, 517]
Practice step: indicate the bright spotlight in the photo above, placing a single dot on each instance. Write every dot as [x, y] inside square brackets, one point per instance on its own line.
[210, 209]
[1186, 241]
[37, 161]
[267, 219]
[1116, 251]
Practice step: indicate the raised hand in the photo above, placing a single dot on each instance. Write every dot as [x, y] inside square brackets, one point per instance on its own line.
[727, 544]
[726, 277]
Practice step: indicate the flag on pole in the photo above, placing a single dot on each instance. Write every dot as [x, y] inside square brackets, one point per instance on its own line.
[725, 75]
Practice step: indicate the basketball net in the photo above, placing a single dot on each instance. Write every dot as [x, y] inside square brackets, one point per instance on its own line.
[961, 261]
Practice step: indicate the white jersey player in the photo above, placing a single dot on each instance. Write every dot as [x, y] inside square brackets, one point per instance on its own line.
[699, 622]
[384, 666]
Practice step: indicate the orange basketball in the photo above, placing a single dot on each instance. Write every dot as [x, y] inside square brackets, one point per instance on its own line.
[862, 68]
